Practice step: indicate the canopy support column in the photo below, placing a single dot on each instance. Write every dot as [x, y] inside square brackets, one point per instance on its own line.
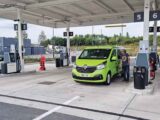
[53, 32]
[146, 34]
[68, 41]
[20, 38]
[155, 37]
[146, 22]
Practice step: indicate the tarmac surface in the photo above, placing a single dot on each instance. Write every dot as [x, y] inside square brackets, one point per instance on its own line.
[53, 95]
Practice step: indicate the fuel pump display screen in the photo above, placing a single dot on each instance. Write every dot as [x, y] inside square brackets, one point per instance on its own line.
[12, 57]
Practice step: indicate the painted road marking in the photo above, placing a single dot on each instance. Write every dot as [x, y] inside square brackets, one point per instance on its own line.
[55, 109]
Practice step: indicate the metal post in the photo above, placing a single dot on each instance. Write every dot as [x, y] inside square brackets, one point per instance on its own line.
[155, 37]
[92, 34]
[20, 38]
[146, 22]
[68, 42]
[122, 30]
[53, 31]
[146, 31]
[53, 37]
[101, 37]
[154, 7]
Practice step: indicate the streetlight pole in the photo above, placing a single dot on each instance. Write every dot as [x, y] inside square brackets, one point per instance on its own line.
[92, 34]
[20, 38]
[101, 36]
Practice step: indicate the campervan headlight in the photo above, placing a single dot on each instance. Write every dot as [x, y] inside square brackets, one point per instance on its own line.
[101, 66]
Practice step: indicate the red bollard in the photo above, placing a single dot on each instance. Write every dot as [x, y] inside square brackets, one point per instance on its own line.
[42, 63]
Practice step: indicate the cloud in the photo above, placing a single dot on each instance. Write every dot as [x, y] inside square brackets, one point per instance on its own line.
[4, 26]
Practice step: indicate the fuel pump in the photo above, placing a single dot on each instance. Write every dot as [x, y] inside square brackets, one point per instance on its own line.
[61, 56]
[11, 61]
[142, 68]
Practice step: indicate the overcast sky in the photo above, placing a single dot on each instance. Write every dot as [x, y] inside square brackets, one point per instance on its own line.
[6, 30]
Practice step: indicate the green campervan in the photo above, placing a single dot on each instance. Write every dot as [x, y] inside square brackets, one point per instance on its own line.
[97, 65]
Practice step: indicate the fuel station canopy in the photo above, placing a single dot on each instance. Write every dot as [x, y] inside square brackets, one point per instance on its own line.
[74, 13]
[56, 13]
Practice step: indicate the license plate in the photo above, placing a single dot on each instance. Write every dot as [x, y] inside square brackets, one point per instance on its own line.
[84, 75]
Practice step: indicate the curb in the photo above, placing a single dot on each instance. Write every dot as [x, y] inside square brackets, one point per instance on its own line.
[13, 74]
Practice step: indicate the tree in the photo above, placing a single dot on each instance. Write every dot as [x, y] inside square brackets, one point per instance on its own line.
[127, 35]
[45, 43]
[87, 40]
[42, 37]
[58, 41]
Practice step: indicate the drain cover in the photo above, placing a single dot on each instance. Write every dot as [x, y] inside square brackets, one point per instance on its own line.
[47, 83]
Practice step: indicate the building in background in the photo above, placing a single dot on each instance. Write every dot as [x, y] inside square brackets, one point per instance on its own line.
[29, 48]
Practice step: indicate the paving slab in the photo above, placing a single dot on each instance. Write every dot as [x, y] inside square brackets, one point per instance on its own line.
[88, 114]
[60, 116]
[26, 103]
[148, 89]
[111, 98]
[143, 114]
[14, 112]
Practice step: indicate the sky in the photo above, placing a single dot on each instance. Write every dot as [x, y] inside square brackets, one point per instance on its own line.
[6, 30]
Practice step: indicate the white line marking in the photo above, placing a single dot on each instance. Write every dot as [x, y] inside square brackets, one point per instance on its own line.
[55, 109]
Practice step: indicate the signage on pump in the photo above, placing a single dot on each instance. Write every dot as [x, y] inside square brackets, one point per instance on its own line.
[154, 15]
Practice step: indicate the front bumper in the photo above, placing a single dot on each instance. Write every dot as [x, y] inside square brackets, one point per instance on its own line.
[96, 77]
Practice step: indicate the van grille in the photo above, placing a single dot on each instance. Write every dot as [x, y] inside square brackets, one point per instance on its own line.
[88, 69]
[99, 77]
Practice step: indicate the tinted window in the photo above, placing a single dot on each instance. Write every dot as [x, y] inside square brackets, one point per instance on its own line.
[95, 54]
[114, 53]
